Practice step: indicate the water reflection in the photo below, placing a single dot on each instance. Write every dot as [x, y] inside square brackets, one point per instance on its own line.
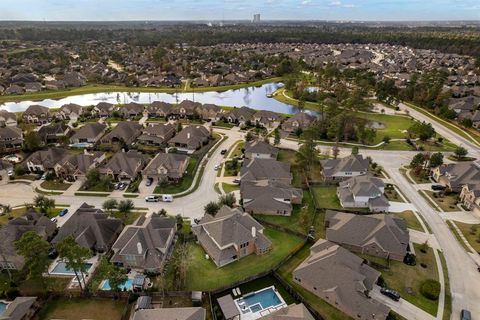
[253, 97]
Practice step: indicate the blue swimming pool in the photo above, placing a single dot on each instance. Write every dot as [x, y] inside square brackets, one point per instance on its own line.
[127, 285]
[3, 307]
[261, 300]
[62, 269]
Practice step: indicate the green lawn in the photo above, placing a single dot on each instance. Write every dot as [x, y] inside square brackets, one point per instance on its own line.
[457, 236]
[422, 177]
[446, 202]
[204, 275]
[128, 218]
[289, 156]
[447, 310]
[407, 279]
[35, 287]
[83, 308]
[228, 188]
[326, 197]
[472, 233]
[393, 195]
[223, 124]
[323, 308]
[237, 152]
[411, 219]
[229, 171]
[55, 185]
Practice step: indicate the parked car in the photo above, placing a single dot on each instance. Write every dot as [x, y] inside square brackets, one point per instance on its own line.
[63, 212]
[149, 182]
[54, 220]
[10, 172]
[224, 151]
[116, 186]
[392, 294]
[39, 176]
[237, 181]
[217, 166]
[152, 198]
[465, 315]
[44, 176]
[167, 198]
[123, 186]
[438, 187]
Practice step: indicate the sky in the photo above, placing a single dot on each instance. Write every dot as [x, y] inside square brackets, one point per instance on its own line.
[115, 10]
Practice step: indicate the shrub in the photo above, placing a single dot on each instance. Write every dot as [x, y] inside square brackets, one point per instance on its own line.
[410, 259]
[12, 293]
[430, 289]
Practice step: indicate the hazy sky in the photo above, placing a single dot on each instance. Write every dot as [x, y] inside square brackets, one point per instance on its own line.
[239, 9]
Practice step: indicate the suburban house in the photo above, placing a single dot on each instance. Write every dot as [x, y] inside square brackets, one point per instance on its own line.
[125, 165]
[103, 109]
[54, 133]
[131, 110]
[146, 245]
[185, 109]
[126, 132]
[266, 119]
[158, 109]
[185, 313]
[70, 111]
[455, 175]
[190, 139]
[269, 198]
[7, 118]
[335, 170]
[44, 160]
[298, 122]
[363, 192]
[91, 228]
[240, 115]
[36, 114]
[21, 308]
[89, 133]
[258, 170]
[470, 197]
[341, 279]
[231, 235]
[157, 134]
[11, 139]
[378, 235]
[209, 111]
[74, 166]
[13, 231]
[166, 167]
[260, 149]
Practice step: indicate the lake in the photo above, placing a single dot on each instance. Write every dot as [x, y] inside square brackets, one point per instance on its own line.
[253, 97]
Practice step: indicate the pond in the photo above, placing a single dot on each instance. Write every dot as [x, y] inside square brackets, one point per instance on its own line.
[253, 97]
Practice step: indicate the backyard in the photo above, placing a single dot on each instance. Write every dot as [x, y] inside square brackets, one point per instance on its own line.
[82, 308]
[326, 197]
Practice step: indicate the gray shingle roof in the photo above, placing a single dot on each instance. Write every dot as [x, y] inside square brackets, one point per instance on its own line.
[352, 163]
[193, 313]
[171, 164]
[18, 308]
[89, 131]
[261, 147]
[265, 169]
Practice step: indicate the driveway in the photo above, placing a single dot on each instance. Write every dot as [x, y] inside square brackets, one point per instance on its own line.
[400, 206]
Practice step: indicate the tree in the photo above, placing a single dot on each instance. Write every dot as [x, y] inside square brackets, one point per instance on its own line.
[92, 178]
[276, 140]
[181, 262]
[211, 208]
[31, 141]
[436, 159]
[249, 136]
[125, 206]
[354, 150]
[460, 152]
[44, 203]
[74, 256]
[227, 200]
[422, 130]
[116, 276]
[34, 249]
[110, 205]
[307, 154]
[417, 161]
[304, 219]
[386, 139]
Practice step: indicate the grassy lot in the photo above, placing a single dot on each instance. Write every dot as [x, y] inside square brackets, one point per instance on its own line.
[411, 219]
[129, 218]
[326, 197]
[392, 195]
[204, 275]
[446, 202]
[407, 279]
[297, 171]
[88, 194]
[323, 308]
[422, 177]
[237, 152]
[55, 185]
[229, 171]
[223, 124]
[34, 287]
[459, 238]
[83, 308]
[98, 188]
[447, 310]
[228, 188]
[184, 183]
[472, 233]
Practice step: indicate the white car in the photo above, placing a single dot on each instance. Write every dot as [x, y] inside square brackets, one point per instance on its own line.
[10, 172]
[217, 166]
[54, 220]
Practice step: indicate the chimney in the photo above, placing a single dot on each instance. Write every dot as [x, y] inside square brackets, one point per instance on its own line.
[188, 135]
[139, 248]
[254, 232]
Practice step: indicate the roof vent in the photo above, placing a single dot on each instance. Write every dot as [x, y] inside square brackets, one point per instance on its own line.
[139, 248]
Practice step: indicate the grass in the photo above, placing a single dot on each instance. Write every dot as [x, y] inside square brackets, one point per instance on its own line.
[217, 188]
[472, 233]
[411, 220]
[447, 310]
[223, 124]
[55, 185]
[289, 156]
[323, 308]
[204, 275]
[184, 183]
[447, 203]
[128, 218]
[229, 171]
[34, 287]
[393, 195]
[421, 178]
[17, 212]
[407, 279]
[326, 197]
[91, 194]
[82, 308]
[133, 187]
[237, 152]
[457, 236]
[228, 188]
[48, 193]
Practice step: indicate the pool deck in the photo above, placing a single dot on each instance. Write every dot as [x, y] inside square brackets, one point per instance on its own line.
[248, 314]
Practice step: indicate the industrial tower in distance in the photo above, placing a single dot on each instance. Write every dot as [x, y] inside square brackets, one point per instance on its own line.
[256, 18]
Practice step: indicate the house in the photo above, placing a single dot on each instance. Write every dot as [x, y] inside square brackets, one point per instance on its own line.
[70, 111]
[186, 313]
[455, 175]
[185, 109]
[54, 133]
[209, 111]
[260, 149]
[341, 279]
[241, 115]
[380, 235]
[13, 231]
[74, 166]
[21, 308]
[125, 165]
[89, 133]
[158, 109]
[131, 110]
[32, 87]
[44, 160]
[335, 170]
[146, 245]
[291, 312]
[103, 109]
[298, 122]
[266, 119]
[269, 198]
[123, 133]
[363, 192]
[14, 89]
[157, 134]
[190, 139]
[11, 139]
[74, 79]
[36, 114]
[231, 235]
[258, 170]
[7, 119]
[470, 197]
[91, 228]
[166, 167]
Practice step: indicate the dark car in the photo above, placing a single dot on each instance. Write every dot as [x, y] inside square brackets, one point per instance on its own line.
[52, 253]
[465, 315]
[149, 182]
[392, 294]
[223, 151]
[63, 212]
[438, 187]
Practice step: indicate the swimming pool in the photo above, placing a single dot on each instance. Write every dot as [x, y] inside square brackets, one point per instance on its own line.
[61, 269]
[127, 285]
[257, 302]
[3, 307]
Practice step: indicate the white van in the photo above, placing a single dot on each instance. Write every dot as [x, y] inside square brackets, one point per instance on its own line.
[167, 198]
